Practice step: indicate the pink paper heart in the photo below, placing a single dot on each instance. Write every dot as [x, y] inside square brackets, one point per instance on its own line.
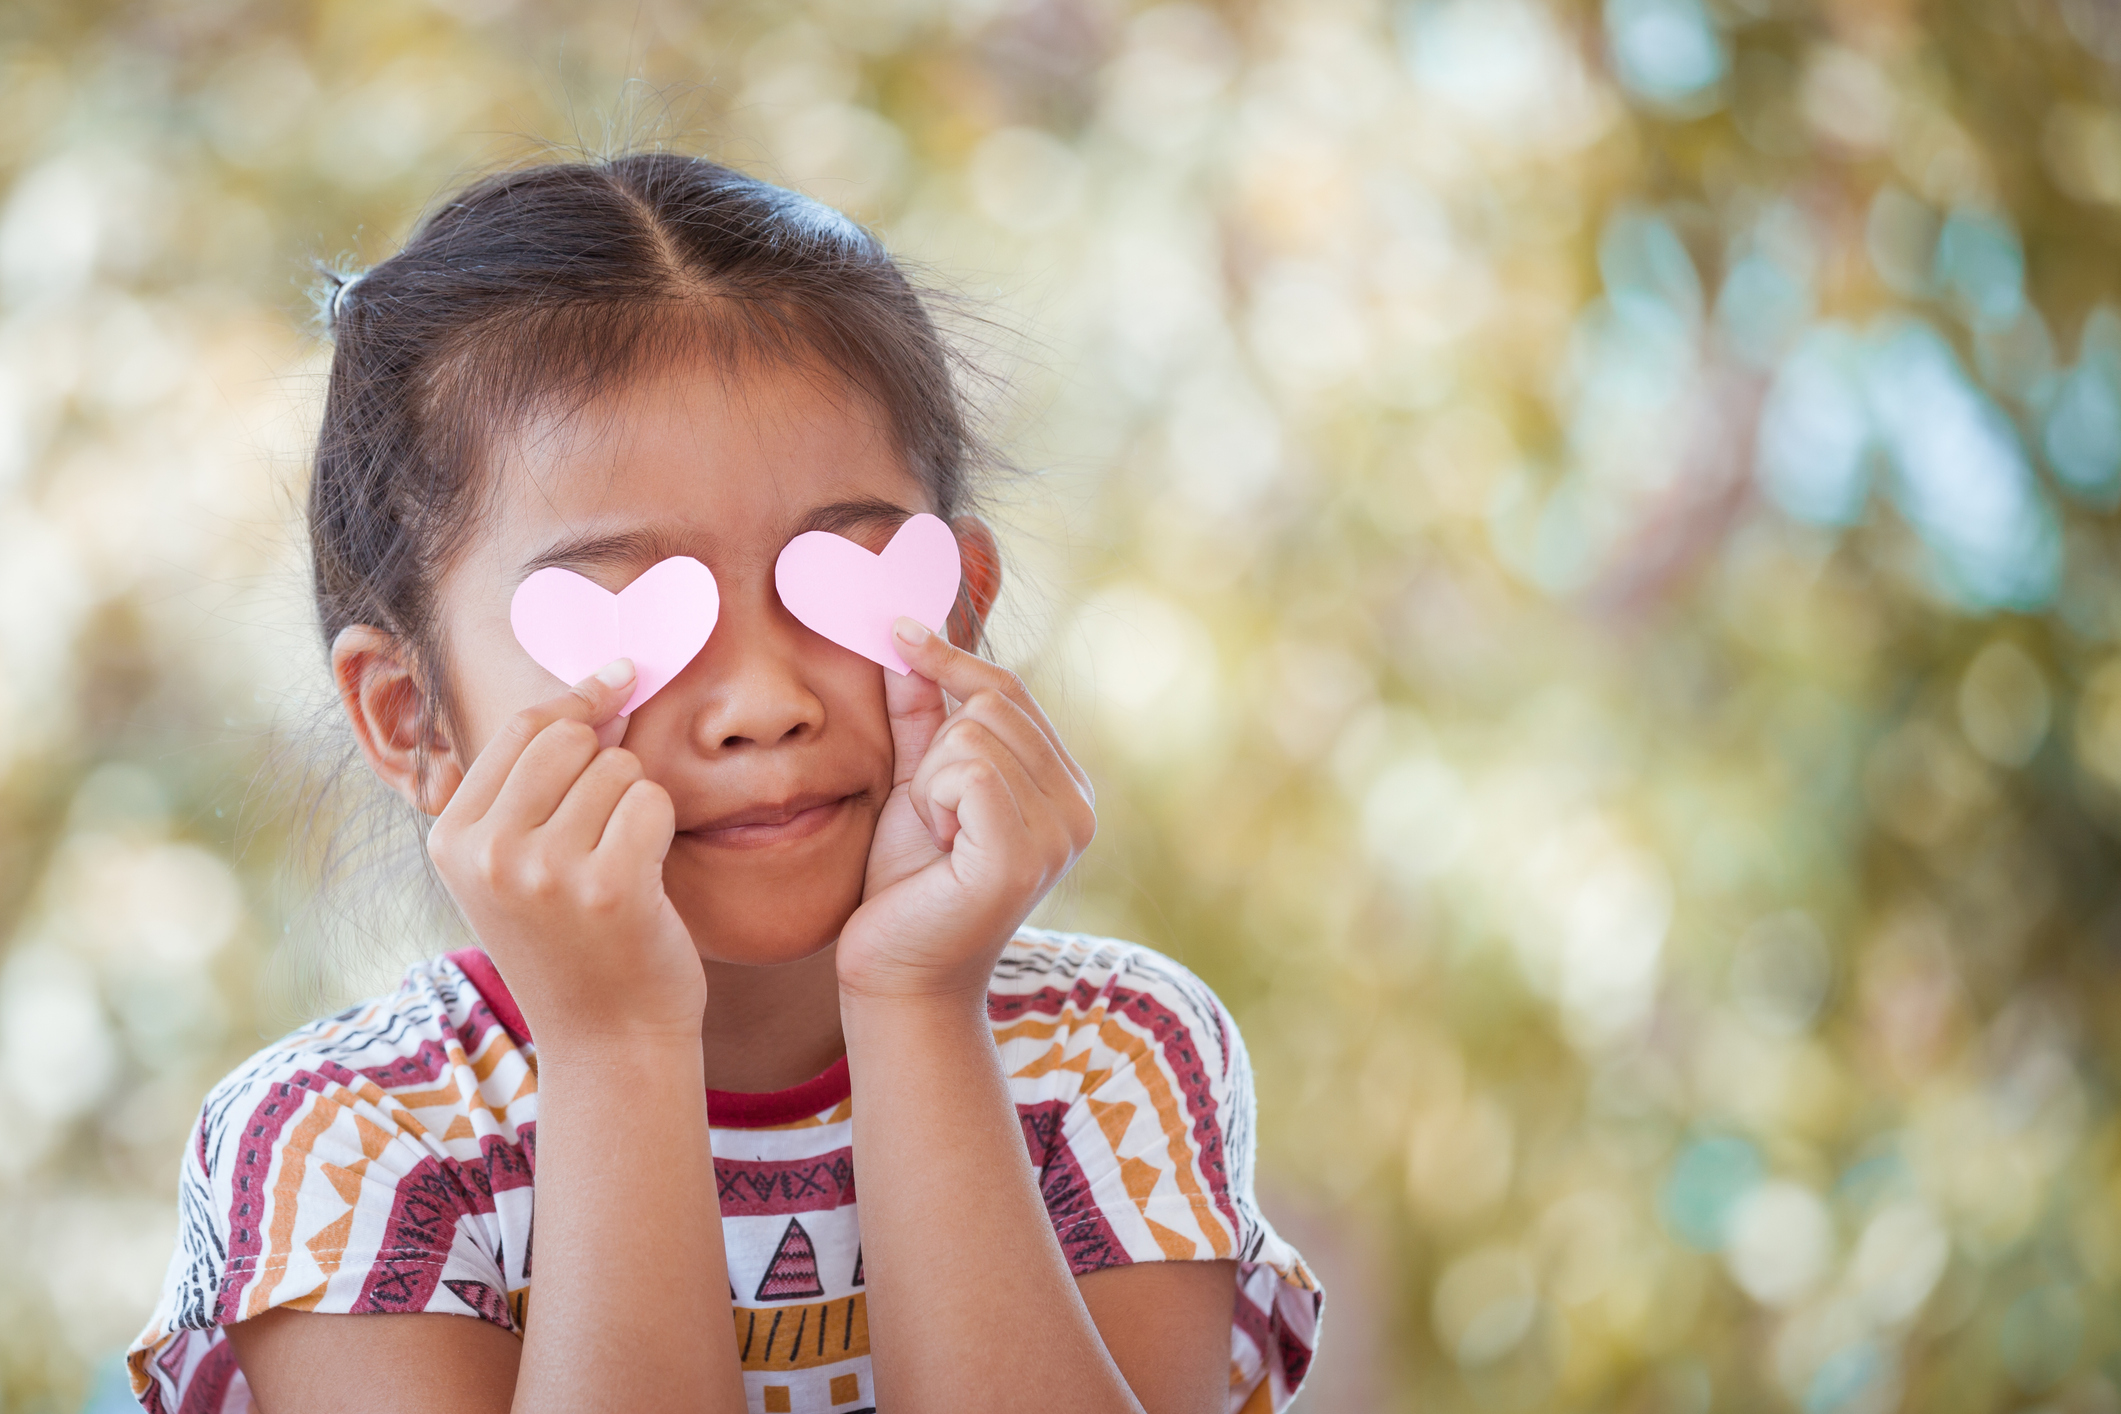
[572, 626]
[838, 589]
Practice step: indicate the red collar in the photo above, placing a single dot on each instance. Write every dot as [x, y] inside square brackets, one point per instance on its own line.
[728, 1109]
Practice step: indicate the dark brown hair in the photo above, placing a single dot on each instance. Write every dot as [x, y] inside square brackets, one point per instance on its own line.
[521, 296]
[542, 286]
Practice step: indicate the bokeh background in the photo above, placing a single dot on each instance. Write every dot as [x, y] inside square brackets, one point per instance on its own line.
[1577, 540]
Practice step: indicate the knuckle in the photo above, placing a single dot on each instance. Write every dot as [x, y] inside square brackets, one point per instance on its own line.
[486, 862]
[649, 805]
[601, 896]
[535, 877]
[620, 762]
[568, 732]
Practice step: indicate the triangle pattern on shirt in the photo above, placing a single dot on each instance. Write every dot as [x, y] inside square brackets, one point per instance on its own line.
[1113, 1119]
[171, 1361]
[346, 1180]
[374, 1138]
[793, 1271]
[1097, 1038]
[491, 1305]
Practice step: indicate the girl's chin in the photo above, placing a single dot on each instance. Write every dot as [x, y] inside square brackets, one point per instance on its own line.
[770, 907]
[767, 952]
[760, 941]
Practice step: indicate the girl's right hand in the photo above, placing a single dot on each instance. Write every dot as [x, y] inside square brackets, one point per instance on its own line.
[553, 847]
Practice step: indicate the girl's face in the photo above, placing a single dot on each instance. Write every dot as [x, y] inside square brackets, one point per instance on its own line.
[773, 742]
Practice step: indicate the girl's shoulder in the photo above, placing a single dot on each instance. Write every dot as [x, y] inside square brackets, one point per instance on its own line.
[376, 1160]
[1079, 991]
[1135, 1093]
[429, 1073]
[1126, 1057]
[1086, 979]
[436, 1018]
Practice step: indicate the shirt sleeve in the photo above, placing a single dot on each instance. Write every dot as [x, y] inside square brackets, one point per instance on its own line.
[304, 1185]
[1135, 1093]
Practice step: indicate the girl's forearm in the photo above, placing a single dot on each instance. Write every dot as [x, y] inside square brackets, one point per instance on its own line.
[631, 1305]
[971, 1303]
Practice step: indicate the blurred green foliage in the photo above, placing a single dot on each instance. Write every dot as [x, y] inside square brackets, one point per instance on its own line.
[1577, 540]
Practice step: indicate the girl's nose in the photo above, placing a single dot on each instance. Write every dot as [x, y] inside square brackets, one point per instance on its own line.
[758, 696]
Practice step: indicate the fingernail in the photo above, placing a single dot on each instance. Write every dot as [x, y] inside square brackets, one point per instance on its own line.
[913, 631]
[616, 673]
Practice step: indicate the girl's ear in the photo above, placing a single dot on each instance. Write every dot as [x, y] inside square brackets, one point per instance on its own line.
[383, 701]
[981, 565]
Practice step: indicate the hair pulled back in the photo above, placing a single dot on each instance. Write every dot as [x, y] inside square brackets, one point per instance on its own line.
[540, 287]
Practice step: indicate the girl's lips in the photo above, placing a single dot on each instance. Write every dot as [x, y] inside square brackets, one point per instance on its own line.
[763, 825]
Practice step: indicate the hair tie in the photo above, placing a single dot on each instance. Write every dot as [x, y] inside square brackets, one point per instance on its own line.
[337, 304]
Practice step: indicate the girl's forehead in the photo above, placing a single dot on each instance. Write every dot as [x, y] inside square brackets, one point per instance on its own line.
[743, 459]
[704, 418]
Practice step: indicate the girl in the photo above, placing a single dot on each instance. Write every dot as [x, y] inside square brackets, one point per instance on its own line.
[792, 881]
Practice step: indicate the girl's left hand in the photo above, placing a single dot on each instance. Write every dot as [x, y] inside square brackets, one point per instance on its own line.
[987, 811]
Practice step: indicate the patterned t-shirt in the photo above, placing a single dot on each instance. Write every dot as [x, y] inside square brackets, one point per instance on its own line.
[384, 1160]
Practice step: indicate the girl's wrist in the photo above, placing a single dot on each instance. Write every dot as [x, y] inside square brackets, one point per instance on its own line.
[936, 971]
[948, 986]
[923, 999]
[938, 1032]
[617, 1054]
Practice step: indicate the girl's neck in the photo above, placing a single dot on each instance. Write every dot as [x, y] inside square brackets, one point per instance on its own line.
[770, 1028]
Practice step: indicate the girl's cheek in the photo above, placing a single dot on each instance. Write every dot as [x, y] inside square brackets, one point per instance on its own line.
[875, 716]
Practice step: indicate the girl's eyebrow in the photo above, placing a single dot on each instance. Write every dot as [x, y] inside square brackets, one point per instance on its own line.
[652, 545]
[647, 545]
[838, 516]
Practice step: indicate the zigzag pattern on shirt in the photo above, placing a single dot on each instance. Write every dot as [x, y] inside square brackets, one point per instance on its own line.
[1086, 1236]
[389, 1138]
[1096, 1010]
[756, 1188]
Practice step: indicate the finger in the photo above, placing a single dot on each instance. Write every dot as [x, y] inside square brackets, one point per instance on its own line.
[967, 744]
[914, 707]
[1032, 748]
[1054, 802]
[585, 810]
[641, 827]
[950, 750]
[594, 701]
[543, 775]
[1056, 814]
[963, 674]
[978, 793]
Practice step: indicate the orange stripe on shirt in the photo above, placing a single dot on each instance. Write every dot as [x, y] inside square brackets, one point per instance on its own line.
[294, 1163]
[1168, 1112]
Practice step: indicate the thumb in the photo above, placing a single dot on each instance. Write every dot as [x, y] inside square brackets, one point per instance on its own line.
[594, 700]
[915, 707]
[597, 699]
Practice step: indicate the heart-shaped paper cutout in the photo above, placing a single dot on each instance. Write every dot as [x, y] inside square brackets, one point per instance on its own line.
[838, 589]
[572, 626]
